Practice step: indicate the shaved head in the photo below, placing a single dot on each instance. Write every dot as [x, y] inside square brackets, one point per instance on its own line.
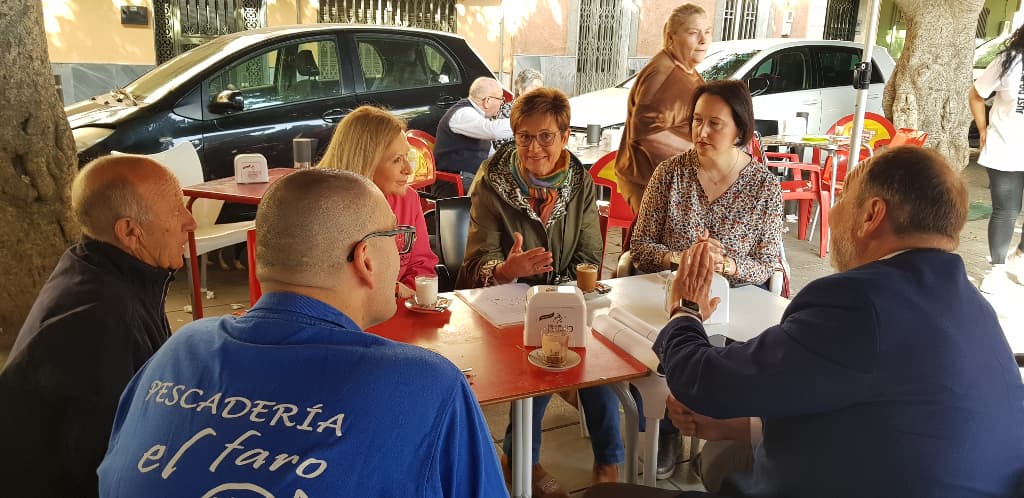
[310, 220]
[115, 187]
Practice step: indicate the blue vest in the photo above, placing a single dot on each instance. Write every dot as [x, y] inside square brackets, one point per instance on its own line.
[455, 152]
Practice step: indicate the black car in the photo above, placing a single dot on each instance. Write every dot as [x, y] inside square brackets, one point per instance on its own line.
[254, 91]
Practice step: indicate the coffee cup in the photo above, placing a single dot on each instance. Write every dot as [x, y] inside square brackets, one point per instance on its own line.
[426, 290]
[586, 277]
[593, 134]
[554, 344]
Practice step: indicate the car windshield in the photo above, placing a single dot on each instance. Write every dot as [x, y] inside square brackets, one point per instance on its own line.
[721, 65]
[167, 75]
[987, 52]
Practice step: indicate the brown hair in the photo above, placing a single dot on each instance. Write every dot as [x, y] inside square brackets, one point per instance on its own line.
[736, 95]
[359, 142]
[923, 194]
[542, 101]
[679, 16]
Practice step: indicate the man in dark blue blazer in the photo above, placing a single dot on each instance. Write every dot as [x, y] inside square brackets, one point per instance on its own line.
[890, 378]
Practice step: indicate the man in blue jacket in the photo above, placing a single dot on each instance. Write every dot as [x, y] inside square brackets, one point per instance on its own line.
[294, 399]
[95, 322]
[890, 378]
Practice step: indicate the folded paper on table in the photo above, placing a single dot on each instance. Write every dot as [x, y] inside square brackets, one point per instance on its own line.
[636, 344]
[647, 330]
[502, 305]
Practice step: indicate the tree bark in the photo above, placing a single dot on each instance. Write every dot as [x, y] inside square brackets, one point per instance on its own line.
[928, 89]
[37, 164]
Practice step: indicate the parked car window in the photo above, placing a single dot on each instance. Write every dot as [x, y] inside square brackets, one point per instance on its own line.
[284, 74]
[785, 71]
[723, 64]
[396, 63]
[987, 52]
[836, 65]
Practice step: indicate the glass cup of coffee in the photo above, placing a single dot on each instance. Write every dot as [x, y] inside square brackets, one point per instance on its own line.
[554, 343]
[586, 277]
[426, 290]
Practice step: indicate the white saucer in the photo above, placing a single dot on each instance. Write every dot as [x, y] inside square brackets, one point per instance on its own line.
[536, 357]
[442, 304]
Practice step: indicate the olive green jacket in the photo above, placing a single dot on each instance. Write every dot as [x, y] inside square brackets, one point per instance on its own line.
[499, 209]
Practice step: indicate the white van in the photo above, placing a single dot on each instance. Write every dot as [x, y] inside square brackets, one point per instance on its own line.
[803, 76]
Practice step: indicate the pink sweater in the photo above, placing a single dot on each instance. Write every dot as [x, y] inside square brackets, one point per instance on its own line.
[420, 260]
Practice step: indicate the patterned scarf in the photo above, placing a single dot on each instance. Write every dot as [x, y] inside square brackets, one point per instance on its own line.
[542, 192]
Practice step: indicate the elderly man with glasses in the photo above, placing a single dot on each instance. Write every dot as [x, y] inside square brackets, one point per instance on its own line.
[465, 133]
[293, 398]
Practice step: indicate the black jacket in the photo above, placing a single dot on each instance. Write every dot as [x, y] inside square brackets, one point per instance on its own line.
[96, 321]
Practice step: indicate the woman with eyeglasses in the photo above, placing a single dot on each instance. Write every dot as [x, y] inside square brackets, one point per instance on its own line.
[370, 141]
[714, 192]
[533, 219]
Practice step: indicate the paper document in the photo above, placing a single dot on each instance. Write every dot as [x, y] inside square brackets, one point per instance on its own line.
[502, 305]
[635, 341]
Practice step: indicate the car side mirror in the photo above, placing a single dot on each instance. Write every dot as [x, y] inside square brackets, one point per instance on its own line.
[757, 85]
[226, 102]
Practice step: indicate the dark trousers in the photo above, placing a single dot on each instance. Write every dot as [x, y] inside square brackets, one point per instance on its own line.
[1007, 188]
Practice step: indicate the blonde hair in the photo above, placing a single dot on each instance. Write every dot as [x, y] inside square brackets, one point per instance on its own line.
[359, 142]
[679, 16]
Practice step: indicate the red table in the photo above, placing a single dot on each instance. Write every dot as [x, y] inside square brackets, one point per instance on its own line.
[501, 371]
[224, 189]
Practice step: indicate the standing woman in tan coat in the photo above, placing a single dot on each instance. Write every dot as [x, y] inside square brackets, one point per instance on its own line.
[658, 116]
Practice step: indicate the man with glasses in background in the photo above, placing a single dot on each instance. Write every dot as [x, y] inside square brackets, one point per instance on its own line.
[294, 398]
[465, 133]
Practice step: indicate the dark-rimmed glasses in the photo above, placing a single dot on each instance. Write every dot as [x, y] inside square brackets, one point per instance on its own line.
[405, 236]
[500, 99]
[544, 138]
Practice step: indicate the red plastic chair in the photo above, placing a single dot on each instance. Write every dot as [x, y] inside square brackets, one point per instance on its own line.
[255, 291]
[422, 135]
[443, 176]
[909, 137]
[802, 188]
[424, 168]
[877, 130]
[619, 214]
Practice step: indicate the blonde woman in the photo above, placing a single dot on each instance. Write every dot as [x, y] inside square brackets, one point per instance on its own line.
[370, 141]
[658, 109]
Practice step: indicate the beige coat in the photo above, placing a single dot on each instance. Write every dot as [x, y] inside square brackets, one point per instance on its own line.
[657, 124]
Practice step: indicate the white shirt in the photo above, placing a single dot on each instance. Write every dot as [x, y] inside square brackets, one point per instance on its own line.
[1006, 120]
[471, 122]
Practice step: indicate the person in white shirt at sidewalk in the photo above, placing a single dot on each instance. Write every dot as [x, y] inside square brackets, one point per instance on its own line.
[465, 133]
[1000, 134]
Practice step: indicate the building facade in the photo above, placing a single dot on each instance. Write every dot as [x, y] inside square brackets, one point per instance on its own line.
[579, 45]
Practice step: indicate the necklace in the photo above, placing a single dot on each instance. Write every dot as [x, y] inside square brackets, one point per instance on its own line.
[725, 177]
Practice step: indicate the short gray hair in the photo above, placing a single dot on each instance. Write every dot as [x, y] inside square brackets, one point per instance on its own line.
[104, 192]
[308, 222]
[525, 77]
[481, 86]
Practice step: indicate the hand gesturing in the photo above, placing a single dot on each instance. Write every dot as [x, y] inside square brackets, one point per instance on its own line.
[520, 263]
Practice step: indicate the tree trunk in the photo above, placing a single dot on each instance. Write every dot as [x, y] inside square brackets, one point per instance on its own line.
[37, 164]
[928, 89]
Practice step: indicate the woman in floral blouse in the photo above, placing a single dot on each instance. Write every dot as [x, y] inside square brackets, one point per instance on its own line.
[715, 191]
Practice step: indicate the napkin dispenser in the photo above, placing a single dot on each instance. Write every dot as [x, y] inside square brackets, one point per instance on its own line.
[555, 304]
[251, 168]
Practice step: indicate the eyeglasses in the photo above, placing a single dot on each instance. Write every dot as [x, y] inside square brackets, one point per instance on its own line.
[405, 236]
[499, 98]
[545, 138]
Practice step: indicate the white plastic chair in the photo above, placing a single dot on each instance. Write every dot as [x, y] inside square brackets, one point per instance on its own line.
[183, 161]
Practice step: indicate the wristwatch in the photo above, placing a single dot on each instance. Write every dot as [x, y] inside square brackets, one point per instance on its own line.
[688, 307]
